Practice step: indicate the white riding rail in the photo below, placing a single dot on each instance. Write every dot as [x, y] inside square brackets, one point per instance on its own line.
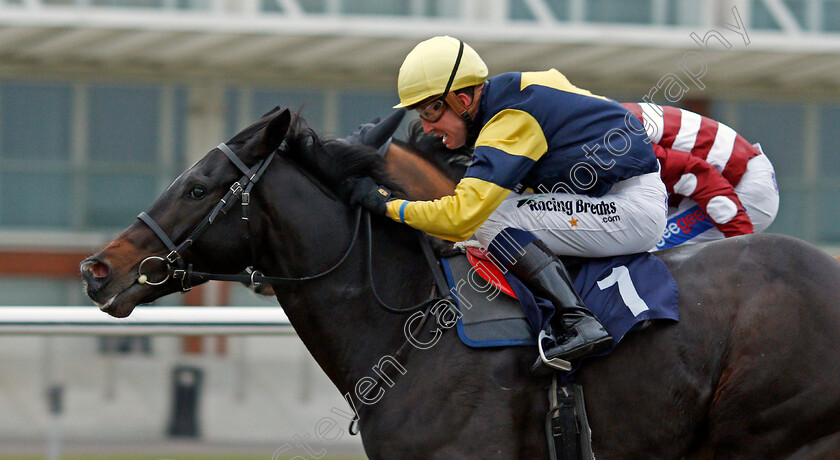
[145, 321]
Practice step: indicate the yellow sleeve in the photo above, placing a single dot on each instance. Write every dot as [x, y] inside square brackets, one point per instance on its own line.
[454, 217]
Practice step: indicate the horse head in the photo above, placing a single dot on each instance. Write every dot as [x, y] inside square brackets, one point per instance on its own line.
[289, 214]
[298, 228]
[136, 267]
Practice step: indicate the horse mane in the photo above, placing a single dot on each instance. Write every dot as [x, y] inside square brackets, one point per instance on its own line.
[331, 161]
[453, 163]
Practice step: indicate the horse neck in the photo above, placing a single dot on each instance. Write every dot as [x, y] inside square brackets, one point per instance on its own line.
[421, 179]
[337, 316]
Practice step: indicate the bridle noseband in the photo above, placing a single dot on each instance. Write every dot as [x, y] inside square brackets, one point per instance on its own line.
[239, 191]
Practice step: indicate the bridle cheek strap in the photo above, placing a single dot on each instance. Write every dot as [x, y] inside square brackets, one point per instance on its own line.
[239, 189]
[173, 254]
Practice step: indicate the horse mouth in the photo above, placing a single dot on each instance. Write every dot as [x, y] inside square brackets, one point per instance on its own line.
[122, 303]
[113, 309]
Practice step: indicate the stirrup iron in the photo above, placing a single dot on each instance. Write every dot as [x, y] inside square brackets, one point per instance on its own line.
[554, 363]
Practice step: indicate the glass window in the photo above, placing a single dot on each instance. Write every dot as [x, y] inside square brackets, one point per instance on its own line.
[124, 123]
[308, 102]
[232, 97]
[442, 8]
[193, 4]
[122, 166]
[362, 107]
[829, 121]
[114, 199]
[182, 112]
[519, 10]
[561, 9]
[828, 216]
[779, 128]
[623, 11]
[799, 9]
[828, 222]
[308, 6]
[831, 16]
[684, 13]
[762, 18]
[386, 7]
[35, 199]
[25, 292]
[35, 121]
[790, 219]
[129, 3]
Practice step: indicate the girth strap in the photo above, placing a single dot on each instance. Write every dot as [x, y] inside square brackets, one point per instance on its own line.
[566, 424]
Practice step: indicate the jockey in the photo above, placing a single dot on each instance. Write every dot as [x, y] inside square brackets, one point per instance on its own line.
[556, 170]
[720, 185]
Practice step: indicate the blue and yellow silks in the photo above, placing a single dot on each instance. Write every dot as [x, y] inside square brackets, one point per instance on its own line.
[541, 132]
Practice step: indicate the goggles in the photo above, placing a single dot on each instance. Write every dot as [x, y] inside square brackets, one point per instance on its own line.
[433, 111]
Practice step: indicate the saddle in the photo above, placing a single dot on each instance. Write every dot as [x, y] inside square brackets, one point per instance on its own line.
[623, 292]
[490, 313]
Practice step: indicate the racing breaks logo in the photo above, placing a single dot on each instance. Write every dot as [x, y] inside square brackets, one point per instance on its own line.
[542, 203]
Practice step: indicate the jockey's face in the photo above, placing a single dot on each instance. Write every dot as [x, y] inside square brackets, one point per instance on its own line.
[451, 127]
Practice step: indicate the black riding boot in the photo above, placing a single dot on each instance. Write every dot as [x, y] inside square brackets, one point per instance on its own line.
[581, 333]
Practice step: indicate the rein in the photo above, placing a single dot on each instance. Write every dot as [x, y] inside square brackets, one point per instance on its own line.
[178, 269]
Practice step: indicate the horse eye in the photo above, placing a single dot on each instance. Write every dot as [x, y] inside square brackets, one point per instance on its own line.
[197, 192]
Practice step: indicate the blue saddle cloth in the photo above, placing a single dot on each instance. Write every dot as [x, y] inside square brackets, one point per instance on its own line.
[622, 292]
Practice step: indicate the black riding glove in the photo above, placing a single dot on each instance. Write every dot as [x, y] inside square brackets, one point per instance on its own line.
[372, 196]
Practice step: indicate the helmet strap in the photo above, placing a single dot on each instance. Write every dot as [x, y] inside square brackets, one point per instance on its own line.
[467, 113]
[455, 67]
[452, 98]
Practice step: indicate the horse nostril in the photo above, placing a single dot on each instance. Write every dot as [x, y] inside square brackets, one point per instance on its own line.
[96, 268]
[99, 270]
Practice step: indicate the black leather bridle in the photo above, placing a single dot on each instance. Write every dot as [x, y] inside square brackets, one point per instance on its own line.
[178, 269]
[240, 191]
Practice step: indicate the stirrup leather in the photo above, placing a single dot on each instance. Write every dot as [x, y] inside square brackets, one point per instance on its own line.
[554, 363]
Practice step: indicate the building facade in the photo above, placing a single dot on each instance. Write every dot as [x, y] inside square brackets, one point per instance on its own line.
[104, 102]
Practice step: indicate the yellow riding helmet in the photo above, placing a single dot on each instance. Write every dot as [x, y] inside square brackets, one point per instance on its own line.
[429, 66]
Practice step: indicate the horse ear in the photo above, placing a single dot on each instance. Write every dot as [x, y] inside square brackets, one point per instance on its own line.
[275, 132]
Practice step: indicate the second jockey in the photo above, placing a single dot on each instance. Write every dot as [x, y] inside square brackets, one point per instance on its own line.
[720, 185]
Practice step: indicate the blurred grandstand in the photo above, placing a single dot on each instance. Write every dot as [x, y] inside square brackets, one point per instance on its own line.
[104, 102]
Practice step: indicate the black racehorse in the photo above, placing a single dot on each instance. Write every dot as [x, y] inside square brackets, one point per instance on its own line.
[751, 371]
